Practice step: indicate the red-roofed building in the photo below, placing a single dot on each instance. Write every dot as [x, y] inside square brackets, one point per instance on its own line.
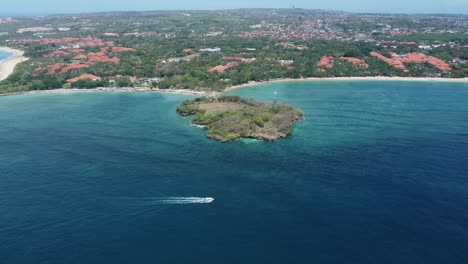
[356, 62]
[76, 51]
[56, 53]
[50, 69]
[222, 68]
[192, 56]
[249, 60]
[84, 77]
[326, 62]
[103, 52]
[73, 67]
[395, 62]
[417, 57]
[103, 59]
[398, 61]
[121, 49]
[80, 57]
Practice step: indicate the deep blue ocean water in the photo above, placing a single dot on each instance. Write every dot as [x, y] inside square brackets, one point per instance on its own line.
[376, 173]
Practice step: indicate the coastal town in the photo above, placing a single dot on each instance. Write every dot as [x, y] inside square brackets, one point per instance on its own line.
[214, 50]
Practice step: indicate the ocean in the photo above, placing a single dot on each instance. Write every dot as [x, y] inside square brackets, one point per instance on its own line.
[376, 173]
[4, 54]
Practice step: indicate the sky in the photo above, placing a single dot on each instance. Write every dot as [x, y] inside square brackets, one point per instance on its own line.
[362, 6]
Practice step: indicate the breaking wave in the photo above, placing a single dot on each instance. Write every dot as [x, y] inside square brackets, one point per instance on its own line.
[180, 200]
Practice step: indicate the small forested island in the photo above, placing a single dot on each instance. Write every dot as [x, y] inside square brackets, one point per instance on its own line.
[227, 118]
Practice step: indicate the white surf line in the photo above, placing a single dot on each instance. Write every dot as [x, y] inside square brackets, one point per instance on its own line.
[179, 200]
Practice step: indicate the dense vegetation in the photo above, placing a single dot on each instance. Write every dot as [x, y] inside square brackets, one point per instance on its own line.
[171, 32]
[230, 117]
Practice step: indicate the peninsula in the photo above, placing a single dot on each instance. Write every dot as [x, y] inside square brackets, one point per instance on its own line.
[227, 118]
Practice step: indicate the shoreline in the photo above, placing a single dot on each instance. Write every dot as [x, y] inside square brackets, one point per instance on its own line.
[113, 89]
[246, 85]
[8, 65]
[326, 79]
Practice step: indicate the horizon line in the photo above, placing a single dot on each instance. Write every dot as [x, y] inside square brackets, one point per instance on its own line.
[34, 14]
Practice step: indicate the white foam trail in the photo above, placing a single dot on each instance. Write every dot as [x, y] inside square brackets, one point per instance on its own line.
[199, 126]
[180, 200]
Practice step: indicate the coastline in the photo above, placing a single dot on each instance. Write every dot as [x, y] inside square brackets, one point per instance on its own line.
[113, 89]
[378, 78]
[250, 84]
[8, 65]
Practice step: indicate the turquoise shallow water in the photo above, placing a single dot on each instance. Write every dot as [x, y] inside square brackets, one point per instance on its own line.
[376, 173]
[4, 54]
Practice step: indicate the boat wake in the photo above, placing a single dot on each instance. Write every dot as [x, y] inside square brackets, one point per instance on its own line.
[180, 200]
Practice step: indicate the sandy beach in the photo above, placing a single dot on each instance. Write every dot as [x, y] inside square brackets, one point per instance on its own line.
[8, 65]
[250, 84]
[379, 78]
[111, 89]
